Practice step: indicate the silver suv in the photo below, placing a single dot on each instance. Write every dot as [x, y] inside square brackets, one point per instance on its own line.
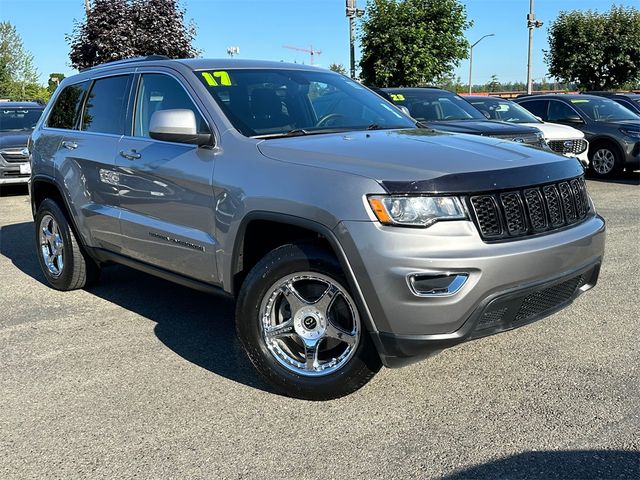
[349, 237]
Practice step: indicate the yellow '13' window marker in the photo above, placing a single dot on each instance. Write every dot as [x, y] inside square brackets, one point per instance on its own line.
[222, 76]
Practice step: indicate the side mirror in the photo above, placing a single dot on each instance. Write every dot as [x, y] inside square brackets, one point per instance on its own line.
[177, 125]
[486, 114]
[404, 110]
[571, 119]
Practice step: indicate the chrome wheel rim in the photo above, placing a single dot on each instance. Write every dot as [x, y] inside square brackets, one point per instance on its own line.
[51, 245]
[310, 324]
[603, 161]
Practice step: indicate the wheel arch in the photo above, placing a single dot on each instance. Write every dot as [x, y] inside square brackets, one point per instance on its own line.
[292, 229]
[43, 187]
[604, 140]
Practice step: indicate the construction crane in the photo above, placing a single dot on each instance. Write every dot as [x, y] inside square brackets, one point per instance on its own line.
[310, 51]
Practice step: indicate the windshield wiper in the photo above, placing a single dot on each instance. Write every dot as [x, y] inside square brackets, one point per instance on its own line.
[297, 132]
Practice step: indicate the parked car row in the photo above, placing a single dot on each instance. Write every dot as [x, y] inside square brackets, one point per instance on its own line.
[612, 130]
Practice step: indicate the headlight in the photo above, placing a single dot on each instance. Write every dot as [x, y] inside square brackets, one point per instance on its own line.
[541, 141]
[631, 133]
[415, 211]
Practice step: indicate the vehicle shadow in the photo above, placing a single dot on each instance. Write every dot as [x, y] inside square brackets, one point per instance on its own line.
[198, 327]
[626, 178]
[565, 465]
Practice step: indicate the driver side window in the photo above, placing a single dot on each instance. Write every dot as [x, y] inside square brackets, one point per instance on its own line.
[161, 92]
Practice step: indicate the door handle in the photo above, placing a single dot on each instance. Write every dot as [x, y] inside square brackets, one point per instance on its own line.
[68, 144]
[131, 155]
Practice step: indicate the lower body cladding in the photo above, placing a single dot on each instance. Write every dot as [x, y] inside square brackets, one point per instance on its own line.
[430, 289]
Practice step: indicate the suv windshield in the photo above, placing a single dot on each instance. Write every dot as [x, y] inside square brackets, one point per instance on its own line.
[435, 106]
[503, 110]
[19, 119]
[273, 102]
[603, 110]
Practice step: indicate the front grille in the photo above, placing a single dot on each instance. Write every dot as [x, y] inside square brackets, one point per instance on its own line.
[530, 211]
[537, 303]
[575, 146]
[14, 155]
[514, 310]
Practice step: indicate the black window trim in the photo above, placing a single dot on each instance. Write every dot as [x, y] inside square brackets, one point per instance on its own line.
[131, 111]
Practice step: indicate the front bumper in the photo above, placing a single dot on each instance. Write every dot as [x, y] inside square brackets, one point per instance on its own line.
[407, 327]
[631, 150]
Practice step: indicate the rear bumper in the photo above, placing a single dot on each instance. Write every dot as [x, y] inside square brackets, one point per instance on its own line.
[497, 313]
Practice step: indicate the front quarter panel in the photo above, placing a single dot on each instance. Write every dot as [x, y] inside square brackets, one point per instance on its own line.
[246, 182]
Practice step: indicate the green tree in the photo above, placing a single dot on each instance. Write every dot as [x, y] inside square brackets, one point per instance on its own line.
[117, 29]
[338, 68]
[595, 50]
[54, 81]
[17, 72]
[494, 84]
[412, 42]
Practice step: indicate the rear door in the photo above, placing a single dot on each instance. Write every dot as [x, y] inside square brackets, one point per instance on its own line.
[166, 192]
[88, 166]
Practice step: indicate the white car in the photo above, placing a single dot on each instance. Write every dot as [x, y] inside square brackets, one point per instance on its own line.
[562, 139]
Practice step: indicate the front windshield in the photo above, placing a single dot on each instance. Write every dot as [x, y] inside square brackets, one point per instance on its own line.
[273, 102]
[19, 119]
[603, 110]
[503, 110]
[434, 106]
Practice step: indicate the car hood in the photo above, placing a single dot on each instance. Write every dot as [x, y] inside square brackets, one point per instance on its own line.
[422, 160]
[555, 131]
[14, 139]
[481, 127]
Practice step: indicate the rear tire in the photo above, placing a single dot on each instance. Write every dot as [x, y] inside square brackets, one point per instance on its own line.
[64, 262]
[300, 326]
[605, 160]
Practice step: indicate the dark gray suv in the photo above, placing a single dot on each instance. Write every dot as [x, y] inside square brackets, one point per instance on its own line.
[612, 130]
[349, 237]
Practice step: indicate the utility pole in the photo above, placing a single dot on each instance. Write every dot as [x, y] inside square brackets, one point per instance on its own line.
[471, 58]
[353, 12]
[532, 23]
[87, 6]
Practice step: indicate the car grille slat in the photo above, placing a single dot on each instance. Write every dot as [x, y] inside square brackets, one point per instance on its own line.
[486, 212]
[14, 155]
[530, 211]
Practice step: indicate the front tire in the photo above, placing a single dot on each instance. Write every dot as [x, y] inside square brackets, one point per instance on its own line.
[63, 261]
[605, 160]
[301, 327]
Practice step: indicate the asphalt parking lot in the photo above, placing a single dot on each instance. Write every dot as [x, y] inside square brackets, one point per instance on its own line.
[138, 377]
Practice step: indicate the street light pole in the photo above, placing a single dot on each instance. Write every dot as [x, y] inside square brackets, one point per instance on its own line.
[531, 24]
[352, 13]
[471, 58]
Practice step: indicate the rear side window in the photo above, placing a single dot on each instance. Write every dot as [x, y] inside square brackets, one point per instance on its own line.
[161, 92]
[559, 111]
[537, 107]
[106, 105]
[66, 110]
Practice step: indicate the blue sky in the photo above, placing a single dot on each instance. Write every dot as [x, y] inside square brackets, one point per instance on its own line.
[261, 27]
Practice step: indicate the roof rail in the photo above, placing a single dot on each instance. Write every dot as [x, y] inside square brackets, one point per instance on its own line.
[127, 60]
